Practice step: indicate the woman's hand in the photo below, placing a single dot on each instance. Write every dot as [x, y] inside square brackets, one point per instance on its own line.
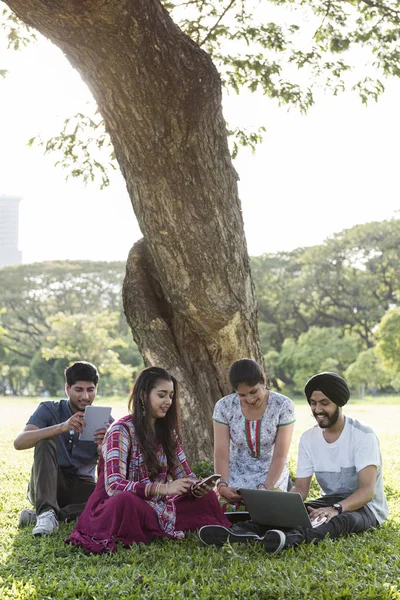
[268, 488]
[178, 486]
[201, 490]
[229, 493]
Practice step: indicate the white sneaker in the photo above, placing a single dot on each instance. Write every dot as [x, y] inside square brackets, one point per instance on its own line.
[46, 523]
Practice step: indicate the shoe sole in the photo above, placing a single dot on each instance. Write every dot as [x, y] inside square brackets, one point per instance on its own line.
[38, 533]
[218, 536]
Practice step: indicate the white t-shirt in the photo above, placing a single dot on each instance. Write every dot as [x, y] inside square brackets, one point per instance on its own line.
[336, 466]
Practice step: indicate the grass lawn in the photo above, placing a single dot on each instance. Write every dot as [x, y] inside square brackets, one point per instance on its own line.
[357, 567]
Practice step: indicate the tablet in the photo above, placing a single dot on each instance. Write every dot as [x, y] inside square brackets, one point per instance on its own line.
[95, 418]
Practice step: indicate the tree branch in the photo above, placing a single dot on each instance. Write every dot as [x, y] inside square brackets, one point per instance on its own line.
[218, 21]
[387, 10]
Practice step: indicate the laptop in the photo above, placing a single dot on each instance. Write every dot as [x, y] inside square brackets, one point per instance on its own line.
[276, 509]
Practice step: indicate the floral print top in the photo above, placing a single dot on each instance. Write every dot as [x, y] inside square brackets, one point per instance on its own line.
[252, 442]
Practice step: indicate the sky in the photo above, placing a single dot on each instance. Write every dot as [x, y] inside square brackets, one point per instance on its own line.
[312, 176]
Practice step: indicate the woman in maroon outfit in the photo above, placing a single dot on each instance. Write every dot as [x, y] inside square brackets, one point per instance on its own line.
[145, 487]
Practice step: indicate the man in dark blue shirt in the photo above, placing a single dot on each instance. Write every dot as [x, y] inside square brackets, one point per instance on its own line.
[63, 471]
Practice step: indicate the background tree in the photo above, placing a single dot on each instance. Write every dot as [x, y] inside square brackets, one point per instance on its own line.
[282, 287]
[348, 282]
[31, 295]
[47, 376]
[388, 334]
[92, 338]
[354, 277]
[319, 349]
[368, 372]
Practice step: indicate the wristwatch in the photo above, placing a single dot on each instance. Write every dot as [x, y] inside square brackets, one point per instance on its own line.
[338, 507]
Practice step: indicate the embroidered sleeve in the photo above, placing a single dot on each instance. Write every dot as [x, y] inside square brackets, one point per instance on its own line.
[116, 451]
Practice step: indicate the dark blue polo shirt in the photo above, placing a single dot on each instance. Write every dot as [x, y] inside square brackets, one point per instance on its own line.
[74, 455]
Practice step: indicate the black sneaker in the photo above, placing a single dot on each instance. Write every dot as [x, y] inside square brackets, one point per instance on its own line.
[216, 535]
[274, 541]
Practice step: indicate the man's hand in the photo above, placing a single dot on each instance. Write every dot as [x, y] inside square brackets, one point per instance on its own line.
[319, 513]
[99, 436]
[76, 422]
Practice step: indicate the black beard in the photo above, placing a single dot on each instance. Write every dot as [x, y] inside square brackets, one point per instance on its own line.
[331, 420]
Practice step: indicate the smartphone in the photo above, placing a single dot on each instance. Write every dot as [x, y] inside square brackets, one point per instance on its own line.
[211, 480]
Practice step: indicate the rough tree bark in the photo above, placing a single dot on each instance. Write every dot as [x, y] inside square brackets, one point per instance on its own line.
[188, 292]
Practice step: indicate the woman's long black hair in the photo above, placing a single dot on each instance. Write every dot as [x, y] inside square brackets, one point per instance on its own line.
[165, 430]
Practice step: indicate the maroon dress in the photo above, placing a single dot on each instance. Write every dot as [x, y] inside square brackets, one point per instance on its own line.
[118, 510]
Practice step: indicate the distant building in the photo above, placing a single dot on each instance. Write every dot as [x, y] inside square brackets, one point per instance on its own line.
[9, 214]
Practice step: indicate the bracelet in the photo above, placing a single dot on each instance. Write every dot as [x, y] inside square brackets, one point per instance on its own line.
[263, 486]
[153, 489]
[221, 484]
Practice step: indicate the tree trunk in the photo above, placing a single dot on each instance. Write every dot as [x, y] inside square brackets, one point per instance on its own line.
[188, 293]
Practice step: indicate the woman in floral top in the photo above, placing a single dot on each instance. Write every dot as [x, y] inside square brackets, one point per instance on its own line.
[145, 486]
[253, 429]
